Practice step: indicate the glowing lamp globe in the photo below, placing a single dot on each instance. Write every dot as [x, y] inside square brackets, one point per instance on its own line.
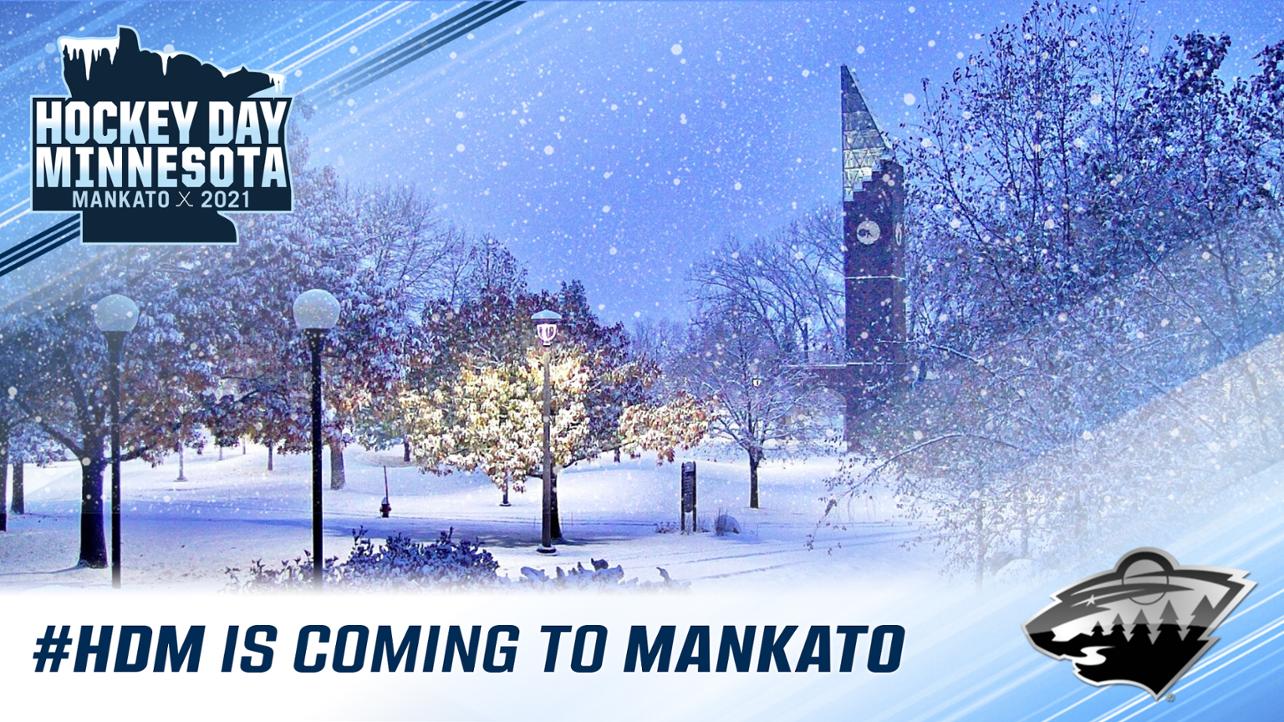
[116, 314]
[546, 323]
[316, 310]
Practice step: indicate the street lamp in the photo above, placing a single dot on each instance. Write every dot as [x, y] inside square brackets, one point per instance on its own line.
[116, 316]
[546, 322]
[315, 313]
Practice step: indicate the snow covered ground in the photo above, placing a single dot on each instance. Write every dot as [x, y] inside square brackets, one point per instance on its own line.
[232, 511]
[967, 659]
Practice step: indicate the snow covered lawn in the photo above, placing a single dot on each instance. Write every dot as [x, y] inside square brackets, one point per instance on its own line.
[232, 511]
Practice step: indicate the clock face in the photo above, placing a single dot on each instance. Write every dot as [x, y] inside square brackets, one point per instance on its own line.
[868, 232]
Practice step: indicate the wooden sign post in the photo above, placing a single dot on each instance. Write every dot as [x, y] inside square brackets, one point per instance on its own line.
[688, 495]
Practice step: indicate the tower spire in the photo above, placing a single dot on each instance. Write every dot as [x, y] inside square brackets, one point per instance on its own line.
[863, 143]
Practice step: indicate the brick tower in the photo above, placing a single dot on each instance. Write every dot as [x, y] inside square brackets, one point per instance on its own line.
[874, 263]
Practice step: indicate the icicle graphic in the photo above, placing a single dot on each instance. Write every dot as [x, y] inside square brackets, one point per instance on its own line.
[88, 50]
[164, 56]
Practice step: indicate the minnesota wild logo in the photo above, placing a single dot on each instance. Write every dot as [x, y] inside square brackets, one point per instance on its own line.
[1144, 623]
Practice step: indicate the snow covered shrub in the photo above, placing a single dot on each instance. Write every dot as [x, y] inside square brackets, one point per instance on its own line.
[399, 561]
[725, 524]
[294, 572]
[402, 560]
[601, 576]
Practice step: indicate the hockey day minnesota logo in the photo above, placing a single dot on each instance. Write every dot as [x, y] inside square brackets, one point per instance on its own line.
[155, 146]
[1144, 623]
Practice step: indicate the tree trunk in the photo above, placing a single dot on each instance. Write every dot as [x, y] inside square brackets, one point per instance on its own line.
[980, 541]
[270, 454]
[617, 456]
[4, 482]
[405, 450]
[505, 488]
[93, 543]
[19, 494]
[242, 447]
[337, 476]
[753, 480]
[556, 525]
[181, 476]
[220, 452]
[1024, 512]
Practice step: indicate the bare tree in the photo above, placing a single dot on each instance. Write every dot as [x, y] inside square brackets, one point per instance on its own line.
[790, 282]
[764, 403]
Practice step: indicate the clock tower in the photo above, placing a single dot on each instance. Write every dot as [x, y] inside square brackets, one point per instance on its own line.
[873, 362]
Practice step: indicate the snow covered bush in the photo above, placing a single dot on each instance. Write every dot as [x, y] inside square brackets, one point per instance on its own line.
[664, 428]
[725, 524]
[399, 561]
[600, 575]
[294, 572]
[403, 562]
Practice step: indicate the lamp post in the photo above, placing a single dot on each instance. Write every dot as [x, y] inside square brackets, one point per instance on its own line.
[546, 322]
[315, 313]
[115, 316]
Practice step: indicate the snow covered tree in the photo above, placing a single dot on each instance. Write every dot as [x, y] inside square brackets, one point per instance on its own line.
[1093, 224]
[491, 328]
[764, 402]
[222, 416]
[473, 312]
[7, 434]
[660, 341]
[377, 252]
[21, 443]
[493, 324]
[665, 427]
[10, 428]
[57, 365]
[790, 282]
[618, 376]
[489, 418]
[766, 308]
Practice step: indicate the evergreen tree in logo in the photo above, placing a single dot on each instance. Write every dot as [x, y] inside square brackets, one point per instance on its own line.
[1146, 584]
